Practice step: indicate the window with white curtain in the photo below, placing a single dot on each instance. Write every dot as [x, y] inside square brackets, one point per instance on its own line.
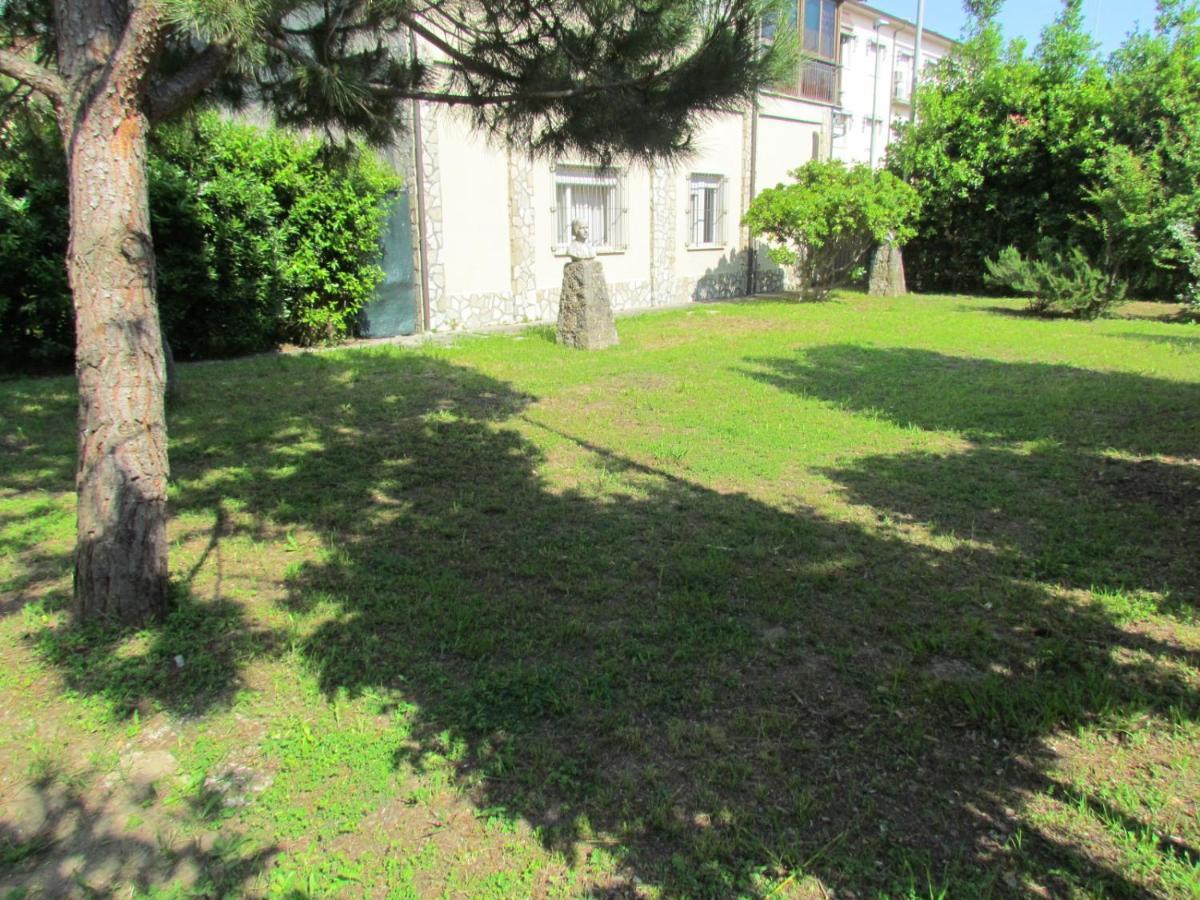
[706, 210]
[595, 197]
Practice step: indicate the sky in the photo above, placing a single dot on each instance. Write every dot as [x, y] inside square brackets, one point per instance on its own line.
[1108, 21]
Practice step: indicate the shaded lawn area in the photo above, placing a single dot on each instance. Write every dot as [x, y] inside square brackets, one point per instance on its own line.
[871, 597]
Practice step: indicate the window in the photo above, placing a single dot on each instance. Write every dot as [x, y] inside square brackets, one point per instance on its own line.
[817, 75]
[595, 197]
[770, 23]
[902, 77]
[820, 26]
[818, 72]
[706, 210]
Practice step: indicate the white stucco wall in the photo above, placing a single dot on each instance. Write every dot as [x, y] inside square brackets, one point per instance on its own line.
[719, 151]
[490, 227]
[789, 131]
[474, 207]
[864, 94]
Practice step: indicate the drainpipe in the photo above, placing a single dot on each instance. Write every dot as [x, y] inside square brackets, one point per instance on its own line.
[879, 23]
[752, 262]
[916, 72]
[419, 171]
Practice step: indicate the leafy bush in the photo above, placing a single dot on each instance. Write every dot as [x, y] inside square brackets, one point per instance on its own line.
[260, 238]
[1056, 282]
[1189, 254]
[285, 237]
[826, 221]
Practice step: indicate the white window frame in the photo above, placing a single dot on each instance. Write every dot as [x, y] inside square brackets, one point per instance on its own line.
[700, 184]
[571, 176]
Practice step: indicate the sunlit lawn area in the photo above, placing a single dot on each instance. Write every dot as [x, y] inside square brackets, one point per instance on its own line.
[869, 597]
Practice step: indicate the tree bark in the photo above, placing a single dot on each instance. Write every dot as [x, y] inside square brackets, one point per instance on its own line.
[106, 49]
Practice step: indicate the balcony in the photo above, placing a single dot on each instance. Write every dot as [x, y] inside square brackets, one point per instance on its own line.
[819, 80]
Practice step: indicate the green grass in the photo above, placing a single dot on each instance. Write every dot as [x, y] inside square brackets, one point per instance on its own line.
[895, 597]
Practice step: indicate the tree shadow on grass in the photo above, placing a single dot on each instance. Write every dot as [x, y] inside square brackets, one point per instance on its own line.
[71, 846]
[1022, 312]
[35, 450]
[1183, 341]
[716, 692]
[991, 402]
[187, 665]
[1051, 478]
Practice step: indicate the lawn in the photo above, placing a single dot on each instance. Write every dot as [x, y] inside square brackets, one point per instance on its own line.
[868, 597]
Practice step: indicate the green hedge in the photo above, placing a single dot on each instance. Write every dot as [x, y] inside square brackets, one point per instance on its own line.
[1058, 146]
[36, 319]
[261, 238]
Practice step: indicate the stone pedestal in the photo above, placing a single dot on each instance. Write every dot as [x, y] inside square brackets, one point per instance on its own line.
[585, 318]
[887, 272]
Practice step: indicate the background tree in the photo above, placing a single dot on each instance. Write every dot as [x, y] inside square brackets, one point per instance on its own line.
[1155, 113]
[595, 76]
[1057, 149]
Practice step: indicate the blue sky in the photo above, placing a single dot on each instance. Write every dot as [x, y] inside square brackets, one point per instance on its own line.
[1108, 21]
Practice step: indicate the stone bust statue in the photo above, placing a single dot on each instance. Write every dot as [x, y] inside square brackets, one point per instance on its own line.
[579, 248]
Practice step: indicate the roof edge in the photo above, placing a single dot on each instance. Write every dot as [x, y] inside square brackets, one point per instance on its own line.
[897, 20]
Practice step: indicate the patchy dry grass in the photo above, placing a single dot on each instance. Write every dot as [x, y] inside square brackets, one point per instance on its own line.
[872, 597]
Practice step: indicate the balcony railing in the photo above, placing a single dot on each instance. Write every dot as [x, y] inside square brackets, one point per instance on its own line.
[819, 80]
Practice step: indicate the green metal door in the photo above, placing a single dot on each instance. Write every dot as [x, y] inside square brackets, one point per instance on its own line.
[394, 309]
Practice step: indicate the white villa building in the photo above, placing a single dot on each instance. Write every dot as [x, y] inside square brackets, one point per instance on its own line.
[478, 234]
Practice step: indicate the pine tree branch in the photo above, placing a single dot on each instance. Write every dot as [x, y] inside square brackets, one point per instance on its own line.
[138, 48]
[173, 95]
[26, 71]
[480, 100]
[477, 100]
[469, 63]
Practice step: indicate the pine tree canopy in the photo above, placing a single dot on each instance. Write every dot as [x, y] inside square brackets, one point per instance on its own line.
[608, 78]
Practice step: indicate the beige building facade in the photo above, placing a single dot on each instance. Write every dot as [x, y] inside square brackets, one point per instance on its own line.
[487, 226]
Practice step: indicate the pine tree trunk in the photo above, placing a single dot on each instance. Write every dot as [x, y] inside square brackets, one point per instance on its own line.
[121, 475]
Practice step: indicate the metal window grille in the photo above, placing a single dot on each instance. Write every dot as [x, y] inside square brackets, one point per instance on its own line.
[706, 209]
[595, 197]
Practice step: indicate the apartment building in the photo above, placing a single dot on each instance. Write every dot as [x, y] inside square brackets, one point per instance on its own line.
[875, 67]
[477, 238]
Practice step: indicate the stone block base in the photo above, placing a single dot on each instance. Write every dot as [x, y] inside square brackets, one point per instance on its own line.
[585, 317]
[887, 272]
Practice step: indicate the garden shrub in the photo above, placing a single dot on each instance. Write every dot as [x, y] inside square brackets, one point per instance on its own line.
[1055, 281]
[288, 232]
[829, 217]
[261, 237]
